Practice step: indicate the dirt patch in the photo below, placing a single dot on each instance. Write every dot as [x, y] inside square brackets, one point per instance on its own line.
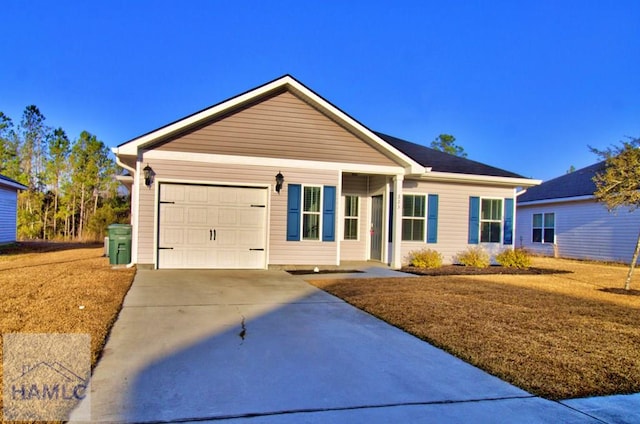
[555, 335]
[60, 288]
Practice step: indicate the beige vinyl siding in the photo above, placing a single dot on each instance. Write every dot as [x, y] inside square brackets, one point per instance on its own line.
[284, 127]
[583, 230]
[453, 215]
[355, 250]
[280, 251]
[8, 199]
[377, 184]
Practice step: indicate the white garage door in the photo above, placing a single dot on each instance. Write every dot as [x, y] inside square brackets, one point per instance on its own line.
[212, 227]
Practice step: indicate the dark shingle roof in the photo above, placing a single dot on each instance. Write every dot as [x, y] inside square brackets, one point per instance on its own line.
[444, 162]
[14, 182]
[576, 183]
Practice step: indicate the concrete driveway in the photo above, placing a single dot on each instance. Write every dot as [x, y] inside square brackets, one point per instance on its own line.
[266, 347]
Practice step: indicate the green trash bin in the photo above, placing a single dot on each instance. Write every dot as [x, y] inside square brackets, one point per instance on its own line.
[119, 244]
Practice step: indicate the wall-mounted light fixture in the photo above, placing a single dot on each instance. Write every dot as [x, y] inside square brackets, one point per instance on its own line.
[279, 181]
[148, 175]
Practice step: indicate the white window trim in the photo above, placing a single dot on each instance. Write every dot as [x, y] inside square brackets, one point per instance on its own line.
[501, 221]
[303, 212]
[423, 218]
[357, 217]
[543, 227]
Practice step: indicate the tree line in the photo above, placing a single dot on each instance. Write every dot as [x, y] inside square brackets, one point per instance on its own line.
[72, 193]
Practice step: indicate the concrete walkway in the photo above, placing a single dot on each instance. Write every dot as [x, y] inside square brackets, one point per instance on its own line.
[266, 347]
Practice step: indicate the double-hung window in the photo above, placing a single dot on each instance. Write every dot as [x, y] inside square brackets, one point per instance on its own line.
[491, 221]
[351, 210]
[413, 217]
[311, 213]
[544, 227]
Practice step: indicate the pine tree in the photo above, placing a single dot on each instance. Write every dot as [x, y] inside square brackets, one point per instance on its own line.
[619, 184]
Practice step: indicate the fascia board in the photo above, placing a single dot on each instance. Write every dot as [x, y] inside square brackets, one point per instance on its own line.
[411, 165]
[12, 185]
[557, 200]
[484, 179]
[131, 147]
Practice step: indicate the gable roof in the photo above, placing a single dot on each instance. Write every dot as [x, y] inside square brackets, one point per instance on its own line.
[286, 82]
[444, 162]
[8, 182]
[416, 160]
[575, 184]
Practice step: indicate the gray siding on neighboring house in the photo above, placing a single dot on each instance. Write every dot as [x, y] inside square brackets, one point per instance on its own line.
[453, 213]
[8, 205]
[282, 127]
[583, 230]
[280, 250]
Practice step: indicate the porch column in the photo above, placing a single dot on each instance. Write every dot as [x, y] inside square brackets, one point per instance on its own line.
[396, 237]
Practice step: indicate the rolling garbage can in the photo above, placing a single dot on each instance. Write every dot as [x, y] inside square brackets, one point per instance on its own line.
[119, 244]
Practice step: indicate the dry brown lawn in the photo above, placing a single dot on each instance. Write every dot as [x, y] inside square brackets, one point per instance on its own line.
[43, 286]
[558, 336]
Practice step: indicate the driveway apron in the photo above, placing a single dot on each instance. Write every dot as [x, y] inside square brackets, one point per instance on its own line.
[265, 346]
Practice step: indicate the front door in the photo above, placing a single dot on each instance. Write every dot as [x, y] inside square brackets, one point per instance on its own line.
[376, 227]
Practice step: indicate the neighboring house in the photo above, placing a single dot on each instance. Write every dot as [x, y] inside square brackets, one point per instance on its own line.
[561, 217]
[8, 208]
[211, 198]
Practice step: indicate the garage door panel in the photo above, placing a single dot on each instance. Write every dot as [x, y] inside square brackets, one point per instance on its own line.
[198, 237]
[171, 236]
[228, 196]
[251, 239]
[172, 258]
[197, 194]
[197, 216]
[226, 237]
[239, 259]
[228, 216]
[212, 227]
[172, 214]
[253, 197]
[253, 217]
[172, 193]
[197, 258]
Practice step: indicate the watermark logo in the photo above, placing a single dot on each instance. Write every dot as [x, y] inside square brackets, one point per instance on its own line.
[46, 376]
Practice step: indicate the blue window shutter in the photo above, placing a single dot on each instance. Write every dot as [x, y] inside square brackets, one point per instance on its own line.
[294, 199]
[474, 220]
[508, 221]
[432, 219]
[329, 214]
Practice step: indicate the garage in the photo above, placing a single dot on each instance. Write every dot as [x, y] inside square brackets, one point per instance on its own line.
[221, 227]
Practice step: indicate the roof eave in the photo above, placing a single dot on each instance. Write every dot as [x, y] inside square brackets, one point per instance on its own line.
[556, 200]
[484, 179]
[286, 82]
[12, 184]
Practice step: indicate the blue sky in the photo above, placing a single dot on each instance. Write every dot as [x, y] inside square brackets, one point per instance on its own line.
[524, 86]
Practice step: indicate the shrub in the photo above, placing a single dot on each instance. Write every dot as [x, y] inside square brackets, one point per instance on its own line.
[514, 258]
[474, 256]
[425, 258]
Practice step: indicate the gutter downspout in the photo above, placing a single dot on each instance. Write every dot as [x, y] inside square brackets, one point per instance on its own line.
[133, 174]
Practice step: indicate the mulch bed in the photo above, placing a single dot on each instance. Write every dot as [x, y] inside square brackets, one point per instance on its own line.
[471, 270]
[323, 271]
